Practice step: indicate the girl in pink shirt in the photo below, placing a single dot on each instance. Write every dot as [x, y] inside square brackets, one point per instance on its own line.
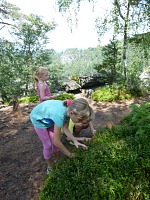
[40, 77]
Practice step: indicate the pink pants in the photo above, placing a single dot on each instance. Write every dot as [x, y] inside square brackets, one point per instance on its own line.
[46, 137]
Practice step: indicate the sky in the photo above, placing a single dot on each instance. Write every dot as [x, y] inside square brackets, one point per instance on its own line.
[83, 36]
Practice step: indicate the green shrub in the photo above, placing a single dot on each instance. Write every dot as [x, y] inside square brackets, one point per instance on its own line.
[29, 99]
[140, 115]
[112, 168]
[66, 96]
[110, 94]
[116, 166]
[34, 99]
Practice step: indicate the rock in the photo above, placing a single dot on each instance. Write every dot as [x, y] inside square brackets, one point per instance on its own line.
[67, 85]
[88, 81]
[145, 77]
[94, 79]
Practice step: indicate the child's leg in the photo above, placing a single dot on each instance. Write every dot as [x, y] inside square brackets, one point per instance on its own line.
[44, 137]
[54, 148]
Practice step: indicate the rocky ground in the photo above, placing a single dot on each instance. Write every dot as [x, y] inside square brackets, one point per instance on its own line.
[22, 165]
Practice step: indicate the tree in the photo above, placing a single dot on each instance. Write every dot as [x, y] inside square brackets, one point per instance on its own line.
[11, 70]
[20, 58]
[126, 17]
[10, 15]
[142, 41]
[32, 40]
[111, 60]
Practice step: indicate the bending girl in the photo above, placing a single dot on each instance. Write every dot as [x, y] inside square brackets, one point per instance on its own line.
[50, 116]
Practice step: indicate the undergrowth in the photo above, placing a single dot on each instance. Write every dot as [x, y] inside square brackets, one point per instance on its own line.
[34, 99]
[115, 166]
[113, 93]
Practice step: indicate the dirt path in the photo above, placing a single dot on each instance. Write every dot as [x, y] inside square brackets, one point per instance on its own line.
[22, 166]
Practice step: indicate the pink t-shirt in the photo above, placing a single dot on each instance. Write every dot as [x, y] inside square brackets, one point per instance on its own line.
[47, 91]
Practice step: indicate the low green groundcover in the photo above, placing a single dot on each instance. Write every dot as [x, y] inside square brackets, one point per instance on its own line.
[116, 167]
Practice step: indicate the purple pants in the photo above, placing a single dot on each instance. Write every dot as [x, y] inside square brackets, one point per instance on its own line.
[46, 137]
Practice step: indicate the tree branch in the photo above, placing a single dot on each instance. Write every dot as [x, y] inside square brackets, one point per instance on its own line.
[5, 23]
[118, 6]
[3, 11]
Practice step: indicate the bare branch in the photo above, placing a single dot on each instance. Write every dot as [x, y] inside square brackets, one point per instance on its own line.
[6, 23]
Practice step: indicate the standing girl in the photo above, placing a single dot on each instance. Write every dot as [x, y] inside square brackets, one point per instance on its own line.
[50, 116]
[40, 77]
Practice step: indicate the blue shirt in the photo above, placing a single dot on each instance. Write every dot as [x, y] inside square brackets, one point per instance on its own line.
[48, 113]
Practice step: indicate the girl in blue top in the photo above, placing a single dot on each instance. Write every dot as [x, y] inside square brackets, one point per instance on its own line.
[50, 116]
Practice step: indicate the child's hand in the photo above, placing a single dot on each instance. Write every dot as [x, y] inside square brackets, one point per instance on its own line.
[84, 147]
[93, 131]
[80, 144]
[72, 155]
[82, 138]
[87, 139]
[55, 96]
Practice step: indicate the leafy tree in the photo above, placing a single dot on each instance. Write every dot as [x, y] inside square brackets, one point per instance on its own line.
[10, 15]
[138, 58]
[141, 41]
[56, 73]
[126, 17]
[21, 58]
[11, 69]
[32, 40]
[111, 59]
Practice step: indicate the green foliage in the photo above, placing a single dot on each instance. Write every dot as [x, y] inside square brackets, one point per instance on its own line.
[111, 59]
[140, 115]
[35, 99]
[65, 96]
[19, 60]
[30, 99]
[136, 91]
[10, 14]
[116, 166]
[126, 17]
[11, 70]
[111, 93]
[56, 73]
[75, 78]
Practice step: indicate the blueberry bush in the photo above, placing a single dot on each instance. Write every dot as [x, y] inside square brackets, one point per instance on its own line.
[115, 166]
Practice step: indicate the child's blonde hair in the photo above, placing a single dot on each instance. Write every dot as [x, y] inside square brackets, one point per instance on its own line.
[81, 109]
[39, 72]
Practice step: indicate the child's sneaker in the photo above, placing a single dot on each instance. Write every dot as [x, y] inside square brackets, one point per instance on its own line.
[49, 169]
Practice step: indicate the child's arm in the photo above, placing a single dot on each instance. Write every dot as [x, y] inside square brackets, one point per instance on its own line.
[71, 137]
[42, 93]
[92, 128]
[81, 138]
[59, 144]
